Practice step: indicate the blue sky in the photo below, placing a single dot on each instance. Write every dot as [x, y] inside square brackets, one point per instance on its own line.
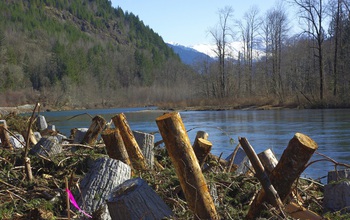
[187, 21]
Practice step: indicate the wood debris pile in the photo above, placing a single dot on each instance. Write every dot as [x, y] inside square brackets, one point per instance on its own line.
[126, 164]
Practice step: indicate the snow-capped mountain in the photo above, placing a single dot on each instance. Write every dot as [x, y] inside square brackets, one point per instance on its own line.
[189, 55]
[198, 52]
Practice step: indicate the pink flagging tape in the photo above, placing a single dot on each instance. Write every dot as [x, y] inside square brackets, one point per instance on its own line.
[75, 204]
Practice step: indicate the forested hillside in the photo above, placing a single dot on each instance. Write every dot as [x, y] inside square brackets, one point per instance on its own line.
[83, 53]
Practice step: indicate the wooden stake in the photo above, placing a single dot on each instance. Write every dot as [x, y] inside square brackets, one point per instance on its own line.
[97, 125]
[186, 166]
[292, 163]
[138, 161]
[115, 145]
[67, 199]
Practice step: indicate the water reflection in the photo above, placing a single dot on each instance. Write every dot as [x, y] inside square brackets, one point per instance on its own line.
[264, 129]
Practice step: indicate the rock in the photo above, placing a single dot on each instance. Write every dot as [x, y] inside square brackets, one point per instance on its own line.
[41, 122]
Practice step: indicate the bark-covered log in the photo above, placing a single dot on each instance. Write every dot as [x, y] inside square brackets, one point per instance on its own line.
[186, 166]
[97, 125]
[135, 200]
[47, 147]
[41, 122]
[292, 163]
[98, 183]
[146, 144]
[201, 147]
[137, 159]
[115, 145]
[268, 159]
[4, 135]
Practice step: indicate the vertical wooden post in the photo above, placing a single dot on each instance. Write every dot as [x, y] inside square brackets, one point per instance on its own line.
[96, 127]
[4, 135]
[115, 145]
[138, 161]
[67, 199]
[201, 147]
[186, 166]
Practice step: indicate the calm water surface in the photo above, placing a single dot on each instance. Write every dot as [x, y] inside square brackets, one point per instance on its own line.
[330, 128]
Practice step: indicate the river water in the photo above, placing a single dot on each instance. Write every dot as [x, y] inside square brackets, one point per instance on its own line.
[273, 129]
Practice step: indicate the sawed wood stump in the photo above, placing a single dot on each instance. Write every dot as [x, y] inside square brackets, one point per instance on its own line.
[291, 164]
[135, 200]
[98, 183]
[97, 125]
[4, 135]
[186, 166]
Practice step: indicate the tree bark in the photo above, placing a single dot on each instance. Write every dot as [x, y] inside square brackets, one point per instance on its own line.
[186, 166]
[96, 127]
[146, 144]
[115, 146]
[135, 154]
[292, 163]
[134, 200]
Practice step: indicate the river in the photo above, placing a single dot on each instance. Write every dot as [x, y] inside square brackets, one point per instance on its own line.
[273, 129]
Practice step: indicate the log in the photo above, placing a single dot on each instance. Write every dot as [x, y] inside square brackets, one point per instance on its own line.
[96, 127]
[135, 200]
[98, 183]
[292, 163]
[296, 211]
[204, 147]
[115, 146]
[268, 159]
[186, 166]
[4, 135]
[260, 173]
[41, 122]
[135, 154]
[201, 147]
[47, 147]
[146, 144]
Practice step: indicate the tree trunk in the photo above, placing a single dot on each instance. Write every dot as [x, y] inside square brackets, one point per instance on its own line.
[115, 146]
[135, 154]
[186, 166]
[96, 127]
[135, 200]
[292, 163]
[4, 135]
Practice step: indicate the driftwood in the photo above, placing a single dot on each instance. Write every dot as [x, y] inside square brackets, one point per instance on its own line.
[134, 200]
[270, 190]
[47, 147]
[135, 154]
[4, 135]
[186, 166]
[201, 151]
[292, 163]
[115, 146]
[97, 125]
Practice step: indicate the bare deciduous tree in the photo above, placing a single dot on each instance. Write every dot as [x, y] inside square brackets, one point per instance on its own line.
[220, 34]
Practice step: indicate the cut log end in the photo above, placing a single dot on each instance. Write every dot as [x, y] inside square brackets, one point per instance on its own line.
[306, 141]
[166, 115]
